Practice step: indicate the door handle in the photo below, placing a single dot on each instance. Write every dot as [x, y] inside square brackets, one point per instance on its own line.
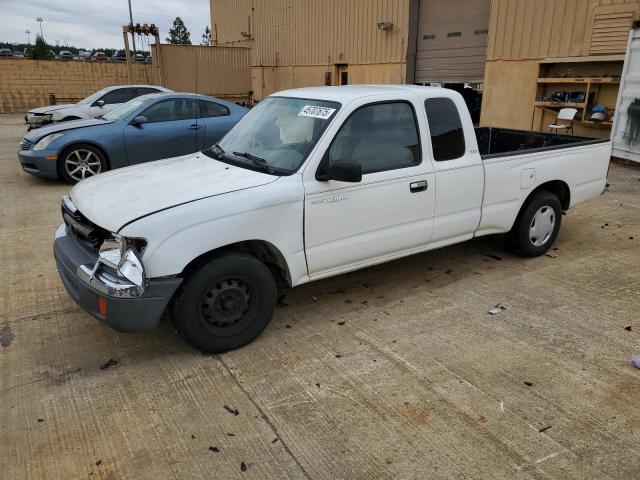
[419, 186]
[195, 126]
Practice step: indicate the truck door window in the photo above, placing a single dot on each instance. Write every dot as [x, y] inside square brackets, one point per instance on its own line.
[447, 136]
[380, 137]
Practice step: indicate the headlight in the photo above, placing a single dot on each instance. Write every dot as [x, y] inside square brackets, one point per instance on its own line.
[45, 141]
[33, 119]
[123, 254]
[122, 244]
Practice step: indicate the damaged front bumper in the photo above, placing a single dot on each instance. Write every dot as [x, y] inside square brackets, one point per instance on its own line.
[96, 284]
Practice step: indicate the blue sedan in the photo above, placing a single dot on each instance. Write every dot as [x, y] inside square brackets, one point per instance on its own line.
[147, 128]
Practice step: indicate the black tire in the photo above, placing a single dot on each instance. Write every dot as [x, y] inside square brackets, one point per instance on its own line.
[226, 303]
[95, 160]
[532, 239]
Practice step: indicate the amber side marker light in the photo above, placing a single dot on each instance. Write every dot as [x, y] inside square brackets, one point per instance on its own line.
[50, 157]
[102, 306]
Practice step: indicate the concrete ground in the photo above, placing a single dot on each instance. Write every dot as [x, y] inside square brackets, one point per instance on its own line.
[396, 371]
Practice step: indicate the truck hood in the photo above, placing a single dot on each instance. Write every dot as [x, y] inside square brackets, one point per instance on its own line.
[113, 199]
[51, 108]
[35, 135]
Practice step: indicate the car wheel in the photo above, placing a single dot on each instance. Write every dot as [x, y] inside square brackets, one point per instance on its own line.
[537, 226]
[81, 161]
[226, 303]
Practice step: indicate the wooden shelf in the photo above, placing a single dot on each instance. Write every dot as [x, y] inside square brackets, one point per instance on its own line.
[560, 104]
[581, 80]
[591, 123]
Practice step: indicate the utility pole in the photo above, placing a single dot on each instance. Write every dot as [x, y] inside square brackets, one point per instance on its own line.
[133, 36]
[39, 19]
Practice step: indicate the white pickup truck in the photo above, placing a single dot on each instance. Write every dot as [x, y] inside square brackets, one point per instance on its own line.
[311, 183]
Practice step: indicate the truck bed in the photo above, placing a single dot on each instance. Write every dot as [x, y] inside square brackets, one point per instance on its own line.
[499, 142]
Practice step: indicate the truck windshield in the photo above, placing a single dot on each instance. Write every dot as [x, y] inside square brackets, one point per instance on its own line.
[278, 134]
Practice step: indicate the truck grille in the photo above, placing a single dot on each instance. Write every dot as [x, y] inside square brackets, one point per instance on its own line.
[25, 144]
[81, 227]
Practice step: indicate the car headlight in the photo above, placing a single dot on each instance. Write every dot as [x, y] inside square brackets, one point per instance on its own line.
[33, 118]
[123, 254]
[45, 141]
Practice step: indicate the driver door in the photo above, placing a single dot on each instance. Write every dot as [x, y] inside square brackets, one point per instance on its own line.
[171, 130]
[390, 212]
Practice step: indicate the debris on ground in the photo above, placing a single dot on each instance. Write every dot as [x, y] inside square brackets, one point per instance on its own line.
[501, 406]
[230, 434]
[193, 437]
[529, 384]
[234, 411]
[552, 255]
[544, 429]
[499, 308]
[287, 326]
[636, 361]
[348, 301]
[338, 355]
[341, 323]
[493, 255]
[98, 463]
[628, 328]
[214, 449]
[243, 467]
[108, 364]
[40, 420]
[6, 337]
[274, 440]
[318, 385]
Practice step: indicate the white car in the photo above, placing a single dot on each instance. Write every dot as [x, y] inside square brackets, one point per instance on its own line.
[311, 183]
[93, 106]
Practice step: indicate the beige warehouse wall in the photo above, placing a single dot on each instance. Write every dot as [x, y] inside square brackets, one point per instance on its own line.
[510, 89]
[527, 29]
[27, 83]
[223, 72]
[267, 80]
[312, 32]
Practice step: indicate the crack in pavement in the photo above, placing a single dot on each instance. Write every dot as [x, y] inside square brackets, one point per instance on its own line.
[264, 417]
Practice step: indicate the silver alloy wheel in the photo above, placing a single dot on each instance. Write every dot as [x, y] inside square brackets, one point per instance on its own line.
[81, 164]
[542, 226]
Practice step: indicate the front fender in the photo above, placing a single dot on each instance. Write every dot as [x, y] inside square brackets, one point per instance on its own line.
[272, 213]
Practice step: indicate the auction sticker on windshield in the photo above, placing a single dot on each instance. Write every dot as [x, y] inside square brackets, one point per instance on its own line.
[315, 111]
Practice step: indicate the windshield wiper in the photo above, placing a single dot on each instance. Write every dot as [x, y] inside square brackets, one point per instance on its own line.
[257, 161]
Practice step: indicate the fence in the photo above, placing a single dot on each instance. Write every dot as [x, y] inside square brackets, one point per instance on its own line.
[26, 84]
[223, 72]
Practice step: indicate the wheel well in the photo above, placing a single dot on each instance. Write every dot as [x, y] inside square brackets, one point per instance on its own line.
[558, 188]
[75, 144]
[264, 251]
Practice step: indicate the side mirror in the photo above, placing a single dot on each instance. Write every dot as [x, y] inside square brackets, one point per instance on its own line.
[100, 103]
[139, 120]
[343, 171]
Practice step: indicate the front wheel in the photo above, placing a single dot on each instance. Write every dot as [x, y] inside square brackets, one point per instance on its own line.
[537, 226]
[81, 161]
[226, 303]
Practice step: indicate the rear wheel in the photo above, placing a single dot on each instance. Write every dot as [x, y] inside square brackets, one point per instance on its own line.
[81, 161]
[226, 303]
[537, 226]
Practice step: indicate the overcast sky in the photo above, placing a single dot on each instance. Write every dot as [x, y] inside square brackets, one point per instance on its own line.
[96, 23]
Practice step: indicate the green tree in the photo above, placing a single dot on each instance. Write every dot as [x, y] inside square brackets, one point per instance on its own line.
[206, 36]
[178, 34]
[41, 50]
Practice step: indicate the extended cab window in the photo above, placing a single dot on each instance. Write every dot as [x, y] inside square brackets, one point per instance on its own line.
[170, 110]
[379, 137]
[447, 136]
